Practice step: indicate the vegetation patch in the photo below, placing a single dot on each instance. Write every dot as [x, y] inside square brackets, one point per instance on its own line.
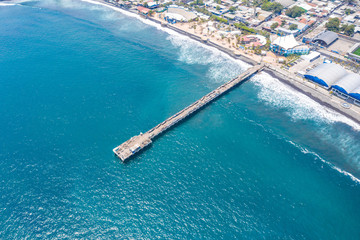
[357, 51]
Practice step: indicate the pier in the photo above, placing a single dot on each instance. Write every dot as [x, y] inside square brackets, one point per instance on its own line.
[139, 142]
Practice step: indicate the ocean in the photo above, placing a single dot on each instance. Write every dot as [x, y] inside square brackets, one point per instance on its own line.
[77, 79]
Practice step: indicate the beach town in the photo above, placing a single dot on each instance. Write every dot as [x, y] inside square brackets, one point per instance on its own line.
[315, 42]
[312, 46]
[161, 120]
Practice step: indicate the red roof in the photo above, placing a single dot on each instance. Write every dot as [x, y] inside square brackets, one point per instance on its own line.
[143, 9]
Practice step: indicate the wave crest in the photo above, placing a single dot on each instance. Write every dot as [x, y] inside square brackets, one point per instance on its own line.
[222, 68]
[297, 105]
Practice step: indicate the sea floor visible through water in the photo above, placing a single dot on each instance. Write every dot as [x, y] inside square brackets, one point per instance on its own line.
[78, 79]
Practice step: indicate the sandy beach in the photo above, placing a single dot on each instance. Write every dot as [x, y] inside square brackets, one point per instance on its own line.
[309, 89]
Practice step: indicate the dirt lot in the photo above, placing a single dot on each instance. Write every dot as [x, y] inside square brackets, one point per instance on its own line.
[341, 45]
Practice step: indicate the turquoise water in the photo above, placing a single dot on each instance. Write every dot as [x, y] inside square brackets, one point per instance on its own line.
[76, 80]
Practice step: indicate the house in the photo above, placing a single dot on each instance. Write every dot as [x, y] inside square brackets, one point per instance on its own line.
[143, 10]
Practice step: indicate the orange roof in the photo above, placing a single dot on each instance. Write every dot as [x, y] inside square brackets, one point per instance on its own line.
[278, 20]
[143, 9]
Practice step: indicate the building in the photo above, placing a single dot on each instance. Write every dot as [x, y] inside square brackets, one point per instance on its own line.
[326, 74]
[178, 14]
[311, 56]
[356, 93]
[325, 38]
[333, 76]
[253, 40]
[285, 3]
[143, 10]
[349, 82]
[287, 45]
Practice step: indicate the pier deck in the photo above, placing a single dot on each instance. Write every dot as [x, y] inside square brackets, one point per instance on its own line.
[139, 142]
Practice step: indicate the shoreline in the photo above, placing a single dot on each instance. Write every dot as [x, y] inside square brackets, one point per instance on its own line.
[192, 36]
[314, 94]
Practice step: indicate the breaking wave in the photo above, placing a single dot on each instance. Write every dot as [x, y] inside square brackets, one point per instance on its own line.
[297, 105]
[317, 156]
[4, 4]
[222, 67]
[330, 125]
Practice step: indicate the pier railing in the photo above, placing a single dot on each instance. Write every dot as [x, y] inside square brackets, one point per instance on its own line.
[137, 143]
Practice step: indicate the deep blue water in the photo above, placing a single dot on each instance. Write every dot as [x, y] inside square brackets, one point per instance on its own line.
[76, 80]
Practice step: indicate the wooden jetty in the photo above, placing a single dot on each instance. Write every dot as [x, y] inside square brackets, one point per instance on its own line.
[139, 142]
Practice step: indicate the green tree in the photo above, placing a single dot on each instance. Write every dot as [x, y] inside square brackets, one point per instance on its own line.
[218, 7]
[295, 12]
[333, 24]
[267, 6]
[349, 30]
[283, 22]
[293, 27]
[232, 9]
[219, 19]
[272, 6]
[274, 25]
[244, 28]
[343, 27]
[348, 11]
[277, 8]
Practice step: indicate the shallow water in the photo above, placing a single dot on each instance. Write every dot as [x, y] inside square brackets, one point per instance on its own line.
[78, 79]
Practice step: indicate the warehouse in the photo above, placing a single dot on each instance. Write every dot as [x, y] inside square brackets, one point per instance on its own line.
[326, 38]
[348, 83]
[341, 82]
[326, 74]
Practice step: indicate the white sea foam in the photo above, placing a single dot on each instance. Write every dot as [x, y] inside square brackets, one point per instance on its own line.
[222, 67]
[272, 91]
[4, 4]
[129, 14]
[306, 151]
[298, 106]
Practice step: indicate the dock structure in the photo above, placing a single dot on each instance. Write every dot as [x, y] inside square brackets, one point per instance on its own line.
[139, 142]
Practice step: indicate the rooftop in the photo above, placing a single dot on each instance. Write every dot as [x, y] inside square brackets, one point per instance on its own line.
[286, 42]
